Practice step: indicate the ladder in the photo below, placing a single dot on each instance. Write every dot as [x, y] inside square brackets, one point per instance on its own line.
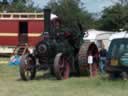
[21, 49]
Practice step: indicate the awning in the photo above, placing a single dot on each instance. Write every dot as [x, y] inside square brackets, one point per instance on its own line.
[103, 36]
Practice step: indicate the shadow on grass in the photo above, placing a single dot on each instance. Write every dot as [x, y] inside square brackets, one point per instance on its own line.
[45, 76]
[49, 76]
[106, 77]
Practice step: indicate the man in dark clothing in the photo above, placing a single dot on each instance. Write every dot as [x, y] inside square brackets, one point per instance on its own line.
[103, 56]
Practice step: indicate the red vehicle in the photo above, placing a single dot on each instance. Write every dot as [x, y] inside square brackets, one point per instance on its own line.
[17, 28]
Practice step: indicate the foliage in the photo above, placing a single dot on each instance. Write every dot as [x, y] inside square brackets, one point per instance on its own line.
[17, 6]
[71, 11]
[115, 18]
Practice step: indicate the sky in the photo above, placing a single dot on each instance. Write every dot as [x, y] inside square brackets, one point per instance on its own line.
[93, 6]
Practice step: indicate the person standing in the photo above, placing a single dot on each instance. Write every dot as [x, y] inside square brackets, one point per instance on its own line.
[103, 55]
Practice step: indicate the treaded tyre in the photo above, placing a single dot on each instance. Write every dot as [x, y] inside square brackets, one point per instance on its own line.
[83, 55]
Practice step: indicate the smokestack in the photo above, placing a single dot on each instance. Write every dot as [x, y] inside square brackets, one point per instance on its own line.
[47, 23]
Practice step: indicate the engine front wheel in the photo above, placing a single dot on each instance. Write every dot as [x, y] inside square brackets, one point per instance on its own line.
[61, 67]
[27, 68]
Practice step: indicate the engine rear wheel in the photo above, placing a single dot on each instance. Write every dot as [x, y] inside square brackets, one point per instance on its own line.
[61, 67]
[27, 68]
[85, 49]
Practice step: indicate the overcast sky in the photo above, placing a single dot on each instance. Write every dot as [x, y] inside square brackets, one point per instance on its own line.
[91, 5]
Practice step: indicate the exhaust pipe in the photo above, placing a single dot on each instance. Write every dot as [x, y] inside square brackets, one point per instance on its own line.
[47, 23]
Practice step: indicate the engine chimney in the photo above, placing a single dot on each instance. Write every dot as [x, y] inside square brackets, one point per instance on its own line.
[47, 23]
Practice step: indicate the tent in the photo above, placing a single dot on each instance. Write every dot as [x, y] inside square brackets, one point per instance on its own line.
[93, 35]
[99, 37]
[119, 35]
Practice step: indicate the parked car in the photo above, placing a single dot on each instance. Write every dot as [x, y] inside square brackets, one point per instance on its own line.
[117, 60]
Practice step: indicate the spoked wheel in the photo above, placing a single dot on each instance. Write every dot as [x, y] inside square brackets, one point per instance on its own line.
[27, 67]
[61, 67]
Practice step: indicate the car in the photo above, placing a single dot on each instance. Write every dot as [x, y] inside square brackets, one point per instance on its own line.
[117, 59]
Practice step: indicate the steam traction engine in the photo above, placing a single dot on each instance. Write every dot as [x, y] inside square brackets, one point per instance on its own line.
[56, 51]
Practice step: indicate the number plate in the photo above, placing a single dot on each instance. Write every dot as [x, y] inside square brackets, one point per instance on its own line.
[114, 62]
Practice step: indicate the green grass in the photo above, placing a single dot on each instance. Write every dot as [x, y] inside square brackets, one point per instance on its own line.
[11, 85]
[4, 58]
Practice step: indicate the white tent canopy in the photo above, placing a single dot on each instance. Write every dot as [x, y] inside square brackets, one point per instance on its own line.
[97, 35]
[119, 35]
[104, 36]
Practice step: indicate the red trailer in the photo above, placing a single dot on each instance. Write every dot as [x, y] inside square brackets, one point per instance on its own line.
[19, 28]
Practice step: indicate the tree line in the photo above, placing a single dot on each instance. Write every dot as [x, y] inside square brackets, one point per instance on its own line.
[113, 18]
[18, 6]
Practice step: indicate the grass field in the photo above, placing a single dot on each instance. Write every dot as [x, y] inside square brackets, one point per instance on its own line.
[11, 85]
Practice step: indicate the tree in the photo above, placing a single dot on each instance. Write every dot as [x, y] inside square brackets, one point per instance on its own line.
[14, 1]
[71, 11]
[5, 2]
[116, 17]
[17, 6]
[3, 5]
